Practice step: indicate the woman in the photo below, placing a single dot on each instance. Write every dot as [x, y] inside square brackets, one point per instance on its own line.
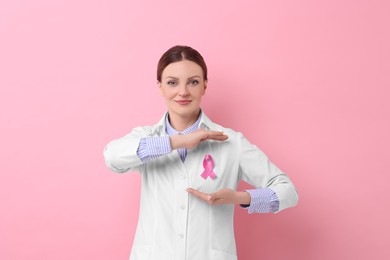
[190, 169]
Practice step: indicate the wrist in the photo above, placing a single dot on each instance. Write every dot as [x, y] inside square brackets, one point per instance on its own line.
[243, 198]
[176, 141]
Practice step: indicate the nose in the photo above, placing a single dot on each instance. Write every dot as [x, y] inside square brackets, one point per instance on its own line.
[183, 91]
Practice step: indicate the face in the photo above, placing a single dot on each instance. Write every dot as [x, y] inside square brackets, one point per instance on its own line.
[182, 86]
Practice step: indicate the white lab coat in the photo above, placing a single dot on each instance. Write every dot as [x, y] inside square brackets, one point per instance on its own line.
[174, 225]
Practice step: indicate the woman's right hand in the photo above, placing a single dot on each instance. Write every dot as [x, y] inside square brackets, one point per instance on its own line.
[192, 140]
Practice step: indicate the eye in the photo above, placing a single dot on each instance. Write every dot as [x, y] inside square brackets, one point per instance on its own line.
[171, 83]
[194, 82]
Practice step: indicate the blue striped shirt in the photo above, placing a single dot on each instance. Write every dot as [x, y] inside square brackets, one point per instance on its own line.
[263, 200]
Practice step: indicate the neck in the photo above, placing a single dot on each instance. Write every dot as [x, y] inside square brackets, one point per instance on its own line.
[180, 122]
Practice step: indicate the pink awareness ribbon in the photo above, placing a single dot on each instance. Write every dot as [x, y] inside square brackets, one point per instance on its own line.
[208, 165]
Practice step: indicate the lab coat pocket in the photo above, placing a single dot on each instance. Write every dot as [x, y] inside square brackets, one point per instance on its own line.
[141, 252]
[219, 255]
[222, 231]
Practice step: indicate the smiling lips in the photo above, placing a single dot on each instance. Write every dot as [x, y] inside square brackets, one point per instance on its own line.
[183, 102]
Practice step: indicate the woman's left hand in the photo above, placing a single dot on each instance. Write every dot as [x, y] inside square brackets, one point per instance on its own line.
[223, 196]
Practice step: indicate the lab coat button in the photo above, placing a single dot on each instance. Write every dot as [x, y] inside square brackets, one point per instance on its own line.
[181, 235]
[183, 206]
[182, 177]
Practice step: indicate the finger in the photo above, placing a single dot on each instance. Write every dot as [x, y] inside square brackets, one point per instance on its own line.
[199, 194]
[216, 198]
[219, 136]
[215, 133]
[219, 202]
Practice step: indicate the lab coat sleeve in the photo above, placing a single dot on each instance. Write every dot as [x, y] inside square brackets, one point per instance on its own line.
[120, 155]
[259, 171]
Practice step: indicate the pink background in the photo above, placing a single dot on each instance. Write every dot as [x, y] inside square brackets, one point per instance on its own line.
[306, 81]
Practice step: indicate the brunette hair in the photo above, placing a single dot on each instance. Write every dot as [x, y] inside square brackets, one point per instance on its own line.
[179, 53]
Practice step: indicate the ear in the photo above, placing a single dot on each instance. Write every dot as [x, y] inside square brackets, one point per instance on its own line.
[159, 86]
[205, 87]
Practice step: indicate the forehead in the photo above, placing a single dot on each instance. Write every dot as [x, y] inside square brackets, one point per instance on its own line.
[182, 69]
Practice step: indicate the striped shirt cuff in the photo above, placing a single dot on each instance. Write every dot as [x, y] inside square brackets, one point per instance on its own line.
[153, 147]
[263, 200]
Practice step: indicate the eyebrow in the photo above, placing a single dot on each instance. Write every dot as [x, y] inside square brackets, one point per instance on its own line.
[171, 77]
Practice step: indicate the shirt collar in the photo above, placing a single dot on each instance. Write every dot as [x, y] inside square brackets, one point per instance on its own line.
[172, 131]
[204, 122]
